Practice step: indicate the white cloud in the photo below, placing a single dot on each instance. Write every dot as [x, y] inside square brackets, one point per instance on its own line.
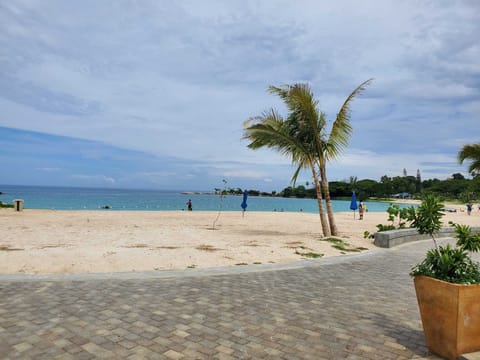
[94, 179]
[178, 79]
[247, 173]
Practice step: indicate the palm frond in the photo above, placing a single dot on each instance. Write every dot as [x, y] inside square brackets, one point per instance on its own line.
[269, 130]
[282, 92]
[342, 128]
[470, 152]
[296, 173]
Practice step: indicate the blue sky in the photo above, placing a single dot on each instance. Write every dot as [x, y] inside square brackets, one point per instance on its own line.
[153, 94]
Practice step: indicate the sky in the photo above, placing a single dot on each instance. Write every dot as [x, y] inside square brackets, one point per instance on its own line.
[153, 94]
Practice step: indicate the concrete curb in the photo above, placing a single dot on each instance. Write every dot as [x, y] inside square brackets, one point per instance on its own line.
[388, 239]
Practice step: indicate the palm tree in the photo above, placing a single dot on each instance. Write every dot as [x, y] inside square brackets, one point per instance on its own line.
[306, 128]
[472, 153]
[271, 130]
[334, 144]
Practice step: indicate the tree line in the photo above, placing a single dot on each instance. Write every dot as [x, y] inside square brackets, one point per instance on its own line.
[457, 187]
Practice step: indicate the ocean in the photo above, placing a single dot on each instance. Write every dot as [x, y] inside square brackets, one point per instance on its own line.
[64, 198]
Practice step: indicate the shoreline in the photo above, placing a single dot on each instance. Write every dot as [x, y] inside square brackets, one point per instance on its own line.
[91, 241]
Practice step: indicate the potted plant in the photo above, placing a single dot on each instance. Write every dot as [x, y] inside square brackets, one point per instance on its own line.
[447, 284]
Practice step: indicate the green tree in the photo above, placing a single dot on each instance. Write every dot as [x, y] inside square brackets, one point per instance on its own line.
[365, 188]
[304, 136]
[427, 218]
[470, 152]
[271, 130]
[340, 189]
[418, 182]
[299, 191]
[287, 192]
[387, 186]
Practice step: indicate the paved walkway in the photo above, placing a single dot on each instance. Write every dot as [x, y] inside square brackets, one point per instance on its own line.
[354, 307]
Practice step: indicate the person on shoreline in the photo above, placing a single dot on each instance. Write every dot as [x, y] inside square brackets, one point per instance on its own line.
[189, 205]
[360, 210]
[469, 208]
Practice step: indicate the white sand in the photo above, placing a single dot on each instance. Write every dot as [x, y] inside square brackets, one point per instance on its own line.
[46, 241]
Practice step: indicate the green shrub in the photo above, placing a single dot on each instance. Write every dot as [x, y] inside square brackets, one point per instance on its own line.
[3, 205]
[447, 263]
[395, 213]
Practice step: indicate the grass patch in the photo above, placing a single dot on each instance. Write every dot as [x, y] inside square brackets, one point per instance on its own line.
[214, 228]
[167, 247]
[302, 247]
[252, 244]
[307, 252]
[8, 248]
[3, 205]
[50, 246]
[207, 248]
[257, 262]
[341, 245]
[310, 254]
[292, 244]
[240, 264]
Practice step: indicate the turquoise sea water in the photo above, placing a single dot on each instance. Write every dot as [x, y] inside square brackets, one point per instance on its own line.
[59, 198]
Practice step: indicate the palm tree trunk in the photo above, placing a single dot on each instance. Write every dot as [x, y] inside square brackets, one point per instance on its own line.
[323, 218]
[326, 190]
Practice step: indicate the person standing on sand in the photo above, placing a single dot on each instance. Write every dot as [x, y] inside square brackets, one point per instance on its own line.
[189, 205]
[360, 210]
[469, 208]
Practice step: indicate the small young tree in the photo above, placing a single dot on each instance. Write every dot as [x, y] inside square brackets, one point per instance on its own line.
[428, 217]
[447, 263]
[222, 194]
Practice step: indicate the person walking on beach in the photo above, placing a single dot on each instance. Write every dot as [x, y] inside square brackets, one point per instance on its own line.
[360, 210]
[189, 205]
[469, 208]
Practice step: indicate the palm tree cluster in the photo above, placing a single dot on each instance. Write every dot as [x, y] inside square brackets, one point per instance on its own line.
[303, 136]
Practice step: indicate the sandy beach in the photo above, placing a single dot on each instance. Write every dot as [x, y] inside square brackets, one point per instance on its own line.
[48, 241]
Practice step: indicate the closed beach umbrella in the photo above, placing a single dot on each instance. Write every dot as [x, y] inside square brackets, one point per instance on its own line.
[353, 204]
[244, 202]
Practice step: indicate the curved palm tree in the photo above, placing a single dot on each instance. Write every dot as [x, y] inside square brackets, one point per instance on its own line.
[271, 130]
[472, 153]
[336, 141]
[306, 127]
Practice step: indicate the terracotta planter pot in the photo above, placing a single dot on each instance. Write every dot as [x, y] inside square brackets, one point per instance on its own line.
[450, 316]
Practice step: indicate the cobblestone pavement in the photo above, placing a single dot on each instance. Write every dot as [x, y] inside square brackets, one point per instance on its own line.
[354, 307]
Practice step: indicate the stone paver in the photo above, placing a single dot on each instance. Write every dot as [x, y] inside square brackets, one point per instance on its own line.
[354, 307]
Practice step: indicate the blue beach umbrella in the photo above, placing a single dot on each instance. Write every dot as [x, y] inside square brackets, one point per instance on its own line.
[244, 202]
[353, 204]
